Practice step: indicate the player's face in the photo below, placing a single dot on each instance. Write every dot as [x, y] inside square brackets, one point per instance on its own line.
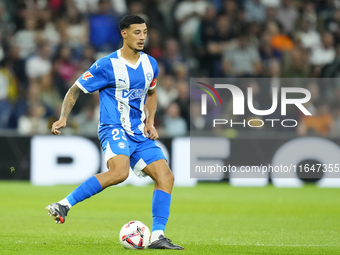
[135, 36]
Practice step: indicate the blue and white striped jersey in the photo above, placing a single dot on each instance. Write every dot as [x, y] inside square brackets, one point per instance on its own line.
[122, 89]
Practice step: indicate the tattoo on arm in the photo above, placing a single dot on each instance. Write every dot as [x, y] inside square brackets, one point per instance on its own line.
[69, 101]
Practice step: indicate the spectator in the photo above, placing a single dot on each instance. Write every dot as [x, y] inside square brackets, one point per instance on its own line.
[57, 81]
[172, 56]
[188, 15]
[18, 67]
[154, 45]
[267, 52]
[39, 65]
[333, 26]
[33, 122]
[67, 67]
[197, 121]
[48, 31]
[335, 112]
[183, 100]
[309, 14]
[205, 33]
[324, 53]
[294, 65]
[309, 38]
[271, 3]
[243, 60]
[255, 11]
[87, 121]
[104, 32]
[279, 41]
[216, 44]
[333, 69]
[174, 124]
[91, 6]
[230, 9]
[321, 123]
[166, 92]
[287, 15]
[88, 57]
[8, 95]
[181, 73]
[25, 38]
[74, 30]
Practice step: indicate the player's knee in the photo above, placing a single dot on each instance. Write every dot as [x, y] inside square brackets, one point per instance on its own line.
[117, 176]
[166, 177]
[170, 177]
[119, 170]
[122, 176]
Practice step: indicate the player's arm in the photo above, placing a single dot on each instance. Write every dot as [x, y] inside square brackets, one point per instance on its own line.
[150, 111]
[68, 103]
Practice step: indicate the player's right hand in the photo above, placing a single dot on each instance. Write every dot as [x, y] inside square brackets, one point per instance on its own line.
[58, 125]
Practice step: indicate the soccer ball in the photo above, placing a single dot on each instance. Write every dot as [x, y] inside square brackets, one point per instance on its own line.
[134, 235]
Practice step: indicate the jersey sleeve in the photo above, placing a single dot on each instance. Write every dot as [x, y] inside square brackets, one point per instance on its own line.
[153, 83]
[94, 78]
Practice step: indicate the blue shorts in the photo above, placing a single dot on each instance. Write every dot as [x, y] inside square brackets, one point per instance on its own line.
[141, 150]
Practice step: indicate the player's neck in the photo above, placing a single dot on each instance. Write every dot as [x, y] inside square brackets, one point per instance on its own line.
[129, 54]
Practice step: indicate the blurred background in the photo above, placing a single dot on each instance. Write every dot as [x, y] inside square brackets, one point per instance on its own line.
[45, 45]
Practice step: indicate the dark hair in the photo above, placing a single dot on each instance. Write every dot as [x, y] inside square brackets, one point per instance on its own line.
[127, 20]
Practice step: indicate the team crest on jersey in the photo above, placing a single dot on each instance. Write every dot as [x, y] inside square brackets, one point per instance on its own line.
[121, 145]
[87, 75]
[149, 76]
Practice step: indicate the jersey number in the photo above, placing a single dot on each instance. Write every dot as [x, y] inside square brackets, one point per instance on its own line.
[115, 132]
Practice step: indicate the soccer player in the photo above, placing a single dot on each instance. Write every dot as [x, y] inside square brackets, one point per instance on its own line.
[126, 80]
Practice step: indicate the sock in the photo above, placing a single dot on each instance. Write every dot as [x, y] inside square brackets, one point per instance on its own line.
[155, 234]
[87, 189]
[65, 202]
[160, 212]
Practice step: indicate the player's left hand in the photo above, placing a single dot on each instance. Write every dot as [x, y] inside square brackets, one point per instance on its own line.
[150, 131]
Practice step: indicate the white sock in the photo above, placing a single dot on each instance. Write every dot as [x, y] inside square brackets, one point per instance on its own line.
[65, 202]
[155, 235]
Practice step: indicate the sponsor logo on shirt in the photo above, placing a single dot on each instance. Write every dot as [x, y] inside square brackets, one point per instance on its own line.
[87, 75]
[122, 80]
[134, 93]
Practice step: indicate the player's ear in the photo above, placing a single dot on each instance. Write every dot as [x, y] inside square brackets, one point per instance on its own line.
[123, 33]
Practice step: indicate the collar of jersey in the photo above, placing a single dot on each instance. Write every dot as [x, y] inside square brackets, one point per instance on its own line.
[127, 62]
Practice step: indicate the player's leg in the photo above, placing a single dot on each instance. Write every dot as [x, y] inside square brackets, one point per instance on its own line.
[161, 174]
[118, 172]
[117, 157]
[148, 159]
[119, 167]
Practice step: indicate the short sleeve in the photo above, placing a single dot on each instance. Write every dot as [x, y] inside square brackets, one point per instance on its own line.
[94, 78]
[153, 84]
[154, 65]
[155, 71]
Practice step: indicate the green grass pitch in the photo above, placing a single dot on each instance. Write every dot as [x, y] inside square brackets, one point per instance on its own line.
[206, 219]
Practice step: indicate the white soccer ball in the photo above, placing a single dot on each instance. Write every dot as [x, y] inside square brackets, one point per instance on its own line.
[134, 235]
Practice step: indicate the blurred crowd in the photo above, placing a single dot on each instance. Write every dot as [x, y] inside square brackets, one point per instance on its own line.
[45, 45]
